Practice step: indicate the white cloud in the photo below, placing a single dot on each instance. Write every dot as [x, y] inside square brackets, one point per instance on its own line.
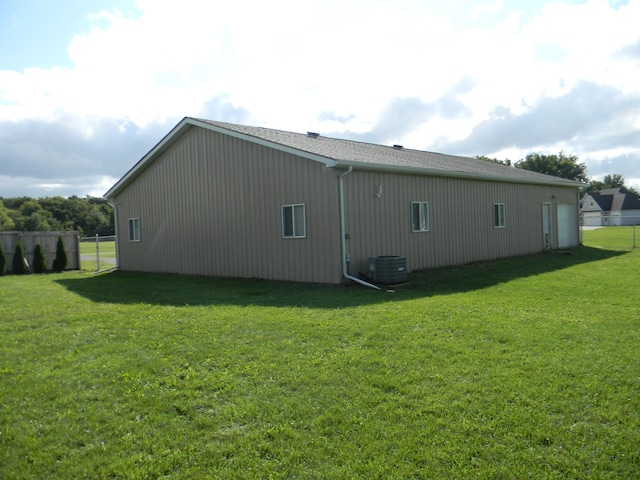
[349, 66]
[483, 8]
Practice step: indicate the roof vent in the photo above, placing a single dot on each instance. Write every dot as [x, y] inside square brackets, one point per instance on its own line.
[398, 147]
[313, 134]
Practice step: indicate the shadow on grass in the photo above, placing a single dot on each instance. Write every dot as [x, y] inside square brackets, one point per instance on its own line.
[181, 290]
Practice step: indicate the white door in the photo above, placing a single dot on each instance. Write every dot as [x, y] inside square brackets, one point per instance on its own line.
[546, 226]
[566, 225]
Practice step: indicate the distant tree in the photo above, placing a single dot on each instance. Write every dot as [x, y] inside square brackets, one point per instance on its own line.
[18, 263]
[506, 162]
[613, 181]
[3, 261]
[88, 215]
[99, 218]
[6, 223]
[39, 261]
[609, 181]
[36, 222]
[60, 262]
[30, 207]
[561, 165]
[60, 212]
[595, 186]
[15, 203]
[97, 221]
[16, 219]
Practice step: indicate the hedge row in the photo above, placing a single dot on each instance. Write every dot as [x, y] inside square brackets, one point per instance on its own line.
[21, 266]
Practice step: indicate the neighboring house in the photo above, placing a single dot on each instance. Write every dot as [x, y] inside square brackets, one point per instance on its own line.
[613, 206]
[220, 199]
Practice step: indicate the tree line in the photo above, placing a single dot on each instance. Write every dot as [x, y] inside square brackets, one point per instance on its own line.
[88, 216]
[564, 166]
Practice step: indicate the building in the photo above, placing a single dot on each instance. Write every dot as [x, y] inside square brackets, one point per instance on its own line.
[613, 206]
[221, 199]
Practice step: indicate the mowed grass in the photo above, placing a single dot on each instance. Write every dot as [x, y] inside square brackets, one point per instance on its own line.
[520, 368]
[88, 259]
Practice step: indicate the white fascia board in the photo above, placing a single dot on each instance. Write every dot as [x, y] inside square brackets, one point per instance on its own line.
[454, 174]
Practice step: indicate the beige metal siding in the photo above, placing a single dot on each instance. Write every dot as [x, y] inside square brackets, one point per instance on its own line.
[460, 217]
[211, 205]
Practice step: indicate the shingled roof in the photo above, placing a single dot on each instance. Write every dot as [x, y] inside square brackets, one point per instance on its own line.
[336, 152]
[613, 200]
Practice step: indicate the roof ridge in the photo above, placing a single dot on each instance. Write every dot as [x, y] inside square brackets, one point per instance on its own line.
[324, 136]
[346, 152]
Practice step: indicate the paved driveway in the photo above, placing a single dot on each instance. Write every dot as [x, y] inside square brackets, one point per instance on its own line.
[109, 260]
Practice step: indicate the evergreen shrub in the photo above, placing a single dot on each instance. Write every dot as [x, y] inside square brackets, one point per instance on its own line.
[60, 262]
[19, 267]
[39, 261]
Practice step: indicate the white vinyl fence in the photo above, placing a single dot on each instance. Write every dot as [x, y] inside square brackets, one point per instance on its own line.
[104, 253]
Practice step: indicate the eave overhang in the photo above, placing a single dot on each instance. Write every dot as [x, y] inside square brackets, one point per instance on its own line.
[434, 172]
[188, 122]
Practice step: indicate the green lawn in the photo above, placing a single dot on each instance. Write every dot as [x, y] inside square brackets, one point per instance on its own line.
[106, 250]
[618, 238]
[521, 368]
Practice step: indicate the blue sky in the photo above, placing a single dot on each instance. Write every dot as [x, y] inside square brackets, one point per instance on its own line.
[36, 33]
[88, 87]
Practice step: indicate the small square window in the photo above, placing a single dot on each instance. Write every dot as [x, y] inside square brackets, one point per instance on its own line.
[134, 229]
[419, 216]
[293, 221]
[498, 215]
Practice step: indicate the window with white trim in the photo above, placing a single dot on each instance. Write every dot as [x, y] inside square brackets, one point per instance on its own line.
[419, 216]
[134, 229]
[498, 215]
[293, 221]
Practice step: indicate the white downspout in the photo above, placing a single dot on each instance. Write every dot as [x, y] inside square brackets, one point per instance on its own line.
[343, 240]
